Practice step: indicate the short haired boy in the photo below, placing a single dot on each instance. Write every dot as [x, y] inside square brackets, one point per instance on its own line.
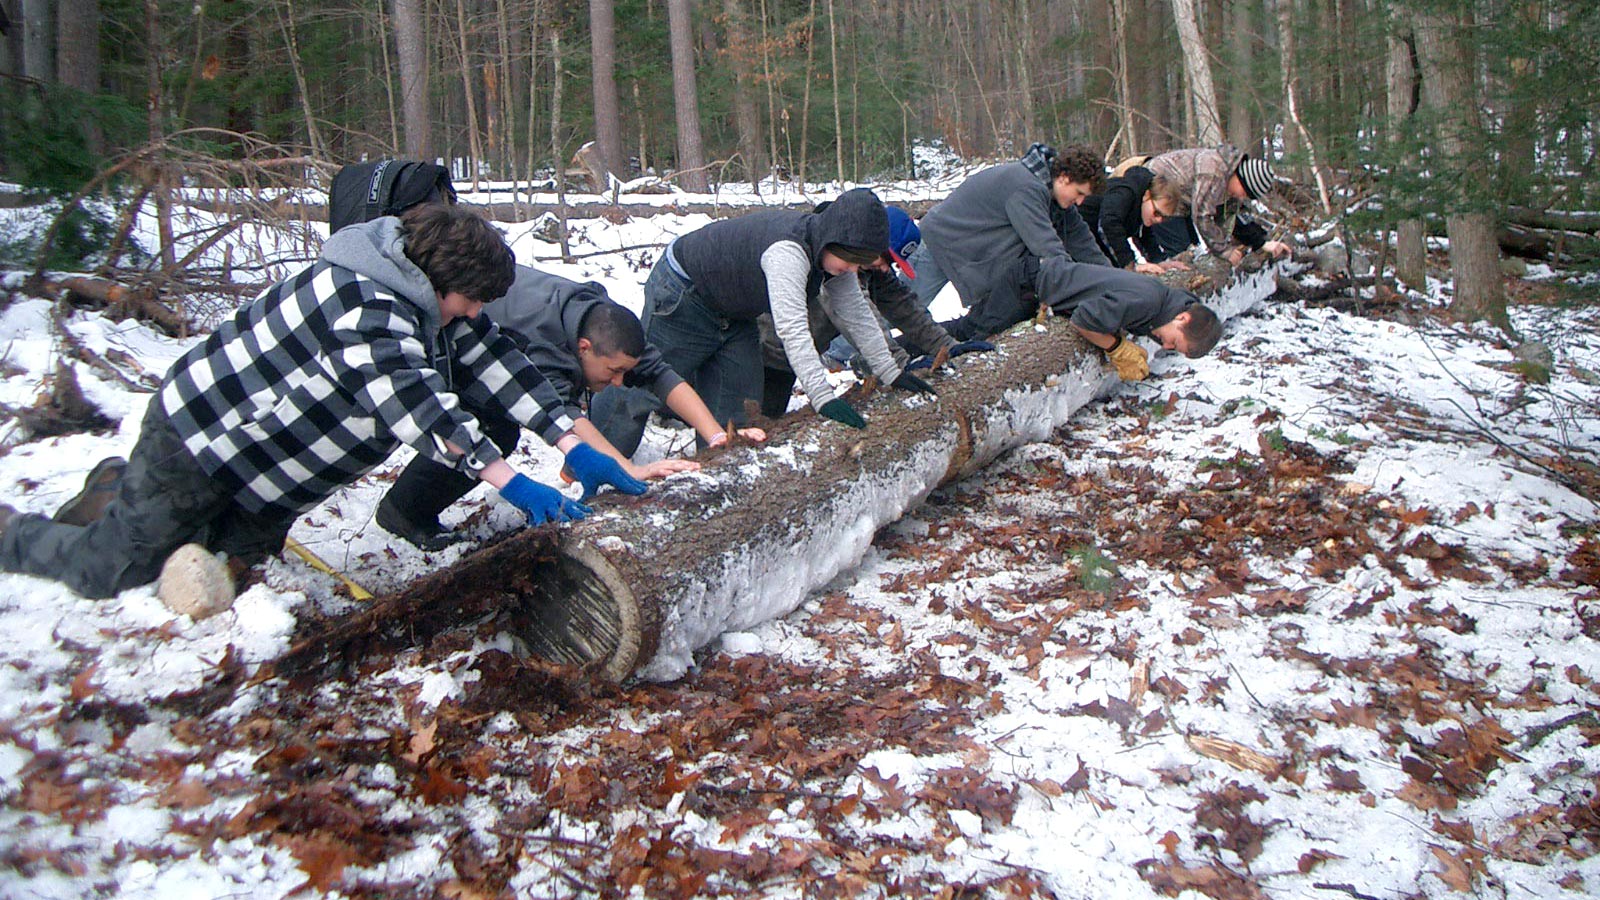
[976, 236]
[1215, 183]
[304, 390]
[1144, 307]
[590, 348]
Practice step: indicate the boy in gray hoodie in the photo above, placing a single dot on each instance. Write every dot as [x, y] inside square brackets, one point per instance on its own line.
[978, 237]
[304, 390]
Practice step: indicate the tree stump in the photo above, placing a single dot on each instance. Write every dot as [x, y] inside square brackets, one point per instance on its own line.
[641, 584]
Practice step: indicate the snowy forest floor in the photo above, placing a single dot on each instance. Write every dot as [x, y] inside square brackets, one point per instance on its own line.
[1312, 617]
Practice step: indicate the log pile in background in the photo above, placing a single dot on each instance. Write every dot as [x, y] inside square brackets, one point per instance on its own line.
[639, 586]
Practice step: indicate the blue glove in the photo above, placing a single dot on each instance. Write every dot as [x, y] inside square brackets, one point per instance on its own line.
[970, 347]
[922, 362]
[843, 413]
[592, 469]
[541, 502]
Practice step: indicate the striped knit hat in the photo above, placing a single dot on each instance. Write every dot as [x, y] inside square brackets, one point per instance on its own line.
[1257, 177]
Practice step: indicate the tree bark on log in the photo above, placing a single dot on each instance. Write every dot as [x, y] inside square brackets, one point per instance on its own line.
[1554, 246]
[644, 582]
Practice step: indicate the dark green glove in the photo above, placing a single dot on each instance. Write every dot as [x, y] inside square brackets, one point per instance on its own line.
[843, 413]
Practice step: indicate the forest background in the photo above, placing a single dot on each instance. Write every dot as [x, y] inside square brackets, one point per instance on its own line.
[1467, 117]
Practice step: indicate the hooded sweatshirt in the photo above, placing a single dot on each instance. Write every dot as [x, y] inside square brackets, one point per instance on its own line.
[544, 314]
[771, 261]
[996, 217]
[321, 377]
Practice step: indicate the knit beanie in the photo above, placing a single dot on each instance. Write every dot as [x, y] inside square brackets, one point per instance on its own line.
[1257, 177]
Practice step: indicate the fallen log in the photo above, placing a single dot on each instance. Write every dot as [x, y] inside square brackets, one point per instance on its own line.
[118, 300]
[1545, 244]
[644, 582]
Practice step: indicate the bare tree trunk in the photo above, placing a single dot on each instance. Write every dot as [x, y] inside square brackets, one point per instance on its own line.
[607, 120]
[388, 81]
[1411, 260]
[1517, 155]
[1241, 131]
[685, 97]
[412, 49]
[39, 39]
[772, 88]
[838, 121]
[78, 59]
[501, 102]
[644, 134]
[533, 91]
[1449, 89]
[746, 118]
[474, 146]
[555, 147]
[1125, 125]
[292, 43]
[805, 101]
[1286, 54]
[1196, 65]
[1024, 70]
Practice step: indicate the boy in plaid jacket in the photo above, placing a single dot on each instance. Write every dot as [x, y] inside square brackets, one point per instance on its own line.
[305, 390]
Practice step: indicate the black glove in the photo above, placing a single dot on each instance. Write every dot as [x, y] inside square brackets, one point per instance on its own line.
[910, 382]
[970, 347]
[843, 413]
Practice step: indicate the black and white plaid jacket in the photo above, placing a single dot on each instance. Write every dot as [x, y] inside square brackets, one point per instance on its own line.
[320, 378]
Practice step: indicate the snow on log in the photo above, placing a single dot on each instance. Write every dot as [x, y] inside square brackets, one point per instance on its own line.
[644, 582]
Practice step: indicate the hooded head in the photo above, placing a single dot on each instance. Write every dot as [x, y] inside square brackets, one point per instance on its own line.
[853, 228]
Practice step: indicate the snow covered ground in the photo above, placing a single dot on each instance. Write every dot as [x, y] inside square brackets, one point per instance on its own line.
[1312, 617]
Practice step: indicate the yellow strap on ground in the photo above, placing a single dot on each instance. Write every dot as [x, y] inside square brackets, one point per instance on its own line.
[316, 562]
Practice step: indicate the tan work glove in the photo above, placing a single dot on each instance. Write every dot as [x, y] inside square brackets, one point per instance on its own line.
[1132, 363]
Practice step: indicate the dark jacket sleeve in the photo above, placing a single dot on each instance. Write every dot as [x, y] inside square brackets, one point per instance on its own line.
[1119, 207]
[1249, 232]
[899, 304]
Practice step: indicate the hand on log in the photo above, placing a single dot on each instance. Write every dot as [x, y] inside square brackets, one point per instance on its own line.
[843, 413]
[913, 384]
[594, 470]
[1130, 360]
[541, 502]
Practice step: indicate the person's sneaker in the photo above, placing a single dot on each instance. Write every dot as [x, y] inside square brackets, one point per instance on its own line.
[424, 536]
[195, 582]
[99, 489]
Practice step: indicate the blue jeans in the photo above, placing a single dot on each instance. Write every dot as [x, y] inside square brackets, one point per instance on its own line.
[718, 356]
[930, 279]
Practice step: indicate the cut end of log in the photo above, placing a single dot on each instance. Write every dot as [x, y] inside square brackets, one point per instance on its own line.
[580, 611]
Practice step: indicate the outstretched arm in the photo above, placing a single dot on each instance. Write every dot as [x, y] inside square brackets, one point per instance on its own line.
[685, 401]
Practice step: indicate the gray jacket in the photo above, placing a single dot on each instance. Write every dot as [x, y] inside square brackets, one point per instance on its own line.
[998, 216]
[543, 314]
